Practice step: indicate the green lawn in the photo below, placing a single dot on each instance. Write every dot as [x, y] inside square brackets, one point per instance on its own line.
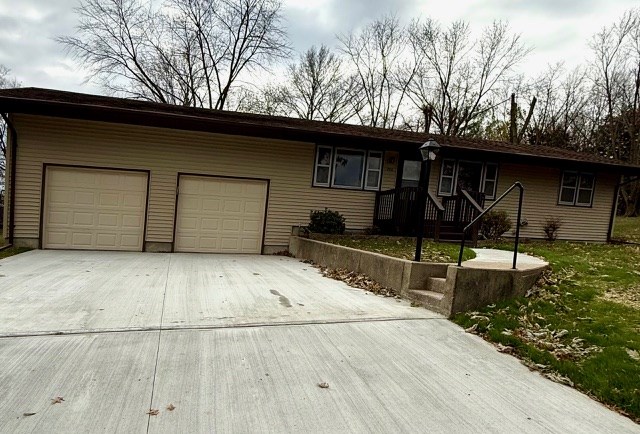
[399, 247]
[627, 229]
[581, 325]
[12, 251]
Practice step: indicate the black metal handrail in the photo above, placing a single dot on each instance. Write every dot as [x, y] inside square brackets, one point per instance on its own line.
[516, 184]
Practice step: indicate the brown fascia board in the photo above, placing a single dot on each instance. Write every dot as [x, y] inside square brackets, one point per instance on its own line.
[181, 121]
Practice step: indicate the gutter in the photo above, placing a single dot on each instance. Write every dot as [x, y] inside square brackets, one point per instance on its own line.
[614, 206]
[12, 185]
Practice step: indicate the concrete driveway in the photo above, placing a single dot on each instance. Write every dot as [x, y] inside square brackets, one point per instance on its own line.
[240, 344]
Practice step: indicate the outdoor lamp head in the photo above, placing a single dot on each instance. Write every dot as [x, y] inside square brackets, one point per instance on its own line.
[429, 150]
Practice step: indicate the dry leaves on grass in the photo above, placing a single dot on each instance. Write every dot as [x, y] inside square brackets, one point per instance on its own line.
[555, 342]
[629, 297]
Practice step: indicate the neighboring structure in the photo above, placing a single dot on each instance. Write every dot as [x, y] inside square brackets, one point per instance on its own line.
[93, 172]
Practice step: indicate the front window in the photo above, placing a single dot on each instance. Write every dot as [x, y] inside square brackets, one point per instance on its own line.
[468, 175]
[576, 189]
[347, 168]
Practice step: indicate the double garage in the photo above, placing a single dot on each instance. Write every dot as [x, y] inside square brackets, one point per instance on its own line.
[106, 209]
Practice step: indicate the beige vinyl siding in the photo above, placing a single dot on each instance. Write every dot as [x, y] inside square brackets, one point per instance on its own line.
[165, 152]
[542, 186]
[7, 189]
[389, 170]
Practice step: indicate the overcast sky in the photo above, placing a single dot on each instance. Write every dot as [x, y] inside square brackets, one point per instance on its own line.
[558, 30]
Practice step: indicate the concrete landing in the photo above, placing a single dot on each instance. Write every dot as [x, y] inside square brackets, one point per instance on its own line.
[494, 259]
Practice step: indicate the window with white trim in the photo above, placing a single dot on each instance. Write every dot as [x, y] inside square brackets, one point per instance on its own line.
[447, 177]
[576, 189]
[490, 181]
[356, 169]
[322, 174]
[374, 171]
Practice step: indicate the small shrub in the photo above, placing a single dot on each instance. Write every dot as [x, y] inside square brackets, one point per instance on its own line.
[494, 224]
[327, 222]
[551, 227]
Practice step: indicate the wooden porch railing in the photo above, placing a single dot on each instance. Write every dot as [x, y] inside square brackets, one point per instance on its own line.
[396, 212]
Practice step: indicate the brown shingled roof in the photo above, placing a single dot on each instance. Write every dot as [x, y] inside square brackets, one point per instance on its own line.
[84, 106]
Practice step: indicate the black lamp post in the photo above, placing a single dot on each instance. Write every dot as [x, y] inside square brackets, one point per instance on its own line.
[428, 150]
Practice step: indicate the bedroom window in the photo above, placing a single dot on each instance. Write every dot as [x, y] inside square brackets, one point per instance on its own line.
[356, 169]
[576, 189]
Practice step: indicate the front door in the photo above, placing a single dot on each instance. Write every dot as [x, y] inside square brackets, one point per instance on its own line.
[469, 176]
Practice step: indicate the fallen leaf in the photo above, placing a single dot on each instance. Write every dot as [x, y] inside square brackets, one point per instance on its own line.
[153, 412]
[471, 329]
[633, 354]
[57, 400]
[27, 414]
[323, 385]
[171, 407]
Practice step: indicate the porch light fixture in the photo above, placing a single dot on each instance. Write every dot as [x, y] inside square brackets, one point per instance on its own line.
[429, 151]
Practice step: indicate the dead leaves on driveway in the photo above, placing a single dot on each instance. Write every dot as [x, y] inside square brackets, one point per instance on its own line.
[355, 280]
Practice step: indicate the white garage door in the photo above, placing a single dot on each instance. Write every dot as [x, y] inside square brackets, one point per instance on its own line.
[220, 215]
[94, 209]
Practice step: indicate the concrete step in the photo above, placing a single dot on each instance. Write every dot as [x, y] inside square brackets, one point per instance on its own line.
[437, 284]
[425, 295]
[431, 300]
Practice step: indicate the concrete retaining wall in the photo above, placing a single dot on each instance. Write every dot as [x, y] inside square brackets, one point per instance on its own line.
[465, 289]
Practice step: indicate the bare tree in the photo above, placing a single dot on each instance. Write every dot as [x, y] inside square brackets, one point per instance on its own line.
[378, 56]
[6, 81]
[189, 52]
[459, 78]
[615, 73]
[560, 119]
[318, 87]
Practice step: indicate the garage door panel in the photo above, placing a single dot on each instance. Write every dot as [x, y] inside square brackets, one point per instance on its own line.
[134, 200]
[106, 240]
[220, 215]
[83, 219]
[82, 239]
[94, 209]
[132, 221]
[208, 224]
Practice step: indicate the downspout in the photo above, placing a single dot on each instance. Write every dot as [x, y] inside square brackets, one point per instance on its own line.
[12, 196]
[614, 206]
